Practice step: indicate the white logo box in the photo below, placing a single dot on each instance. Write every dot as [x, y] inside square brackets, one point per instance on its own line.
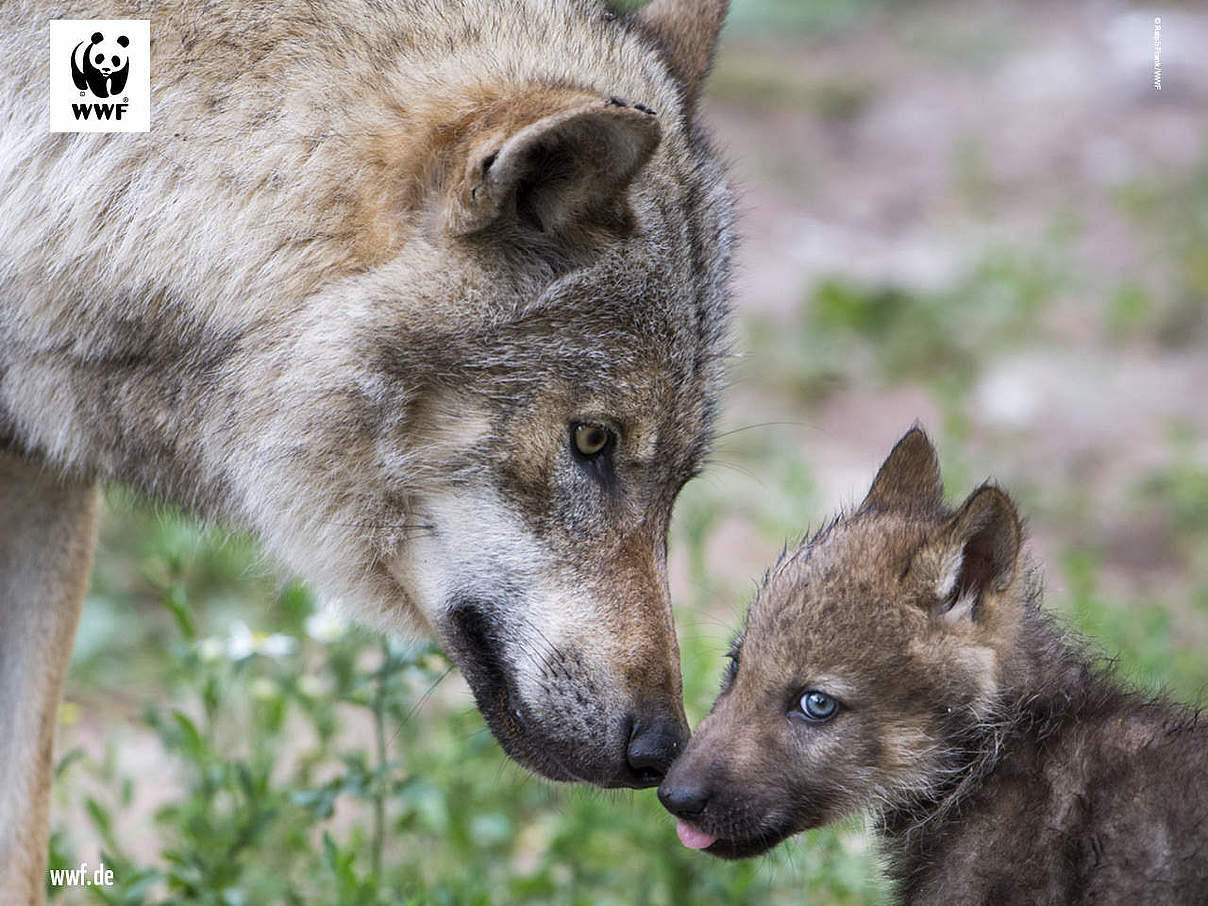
[75, 109]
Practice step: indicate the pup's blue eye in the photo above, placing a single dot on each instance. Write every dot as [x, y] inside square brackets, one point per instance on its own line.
[818, 705]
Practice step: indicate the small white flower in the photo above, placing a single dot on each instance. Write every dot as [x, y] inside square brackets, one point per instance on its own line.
[325, 626]
[242, 643]
[263, 688]
[275, 645]
[210, 649]
[312, 686]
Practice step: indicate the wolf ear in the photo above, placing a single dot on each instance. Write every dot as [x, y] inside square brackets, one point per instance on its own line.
[909, 479]
[688, 31]
[980, 548]
[564, 174]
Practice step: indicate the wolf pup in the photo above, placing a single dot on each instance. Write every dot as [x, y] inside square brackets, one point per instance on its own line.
[899, 663]
[429, 296]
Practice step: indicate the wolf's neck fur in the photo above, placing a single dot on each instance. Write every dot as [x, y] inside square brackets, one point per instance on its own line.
[1025, 759]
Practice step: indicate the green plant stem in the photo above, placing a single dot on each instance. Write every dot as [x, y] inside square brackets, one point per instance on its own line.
[379, 733]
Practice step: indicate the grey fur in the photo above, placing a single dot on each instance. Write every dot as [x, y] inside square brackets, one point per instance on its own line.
[304, 305]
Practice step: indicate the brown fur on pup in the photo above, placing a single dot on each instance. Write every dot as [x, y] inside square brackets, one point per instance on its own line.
[899, 663]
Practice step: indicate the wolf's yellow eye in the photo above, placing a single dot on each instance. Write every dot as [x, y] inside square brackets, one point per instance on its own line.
[590, 440]
[818, 705]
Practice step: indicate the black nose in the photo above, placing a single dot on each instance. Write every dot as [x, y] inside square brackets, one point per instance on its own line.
[653, 746]
[684, 801]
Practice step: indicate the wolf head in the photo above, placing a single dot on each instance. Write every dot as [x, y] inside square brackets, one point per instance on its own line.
[525, 356]
[871, 657]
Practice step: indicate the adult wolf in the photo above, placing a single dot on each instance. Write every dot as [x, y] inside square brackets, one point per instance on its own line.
[428, 295]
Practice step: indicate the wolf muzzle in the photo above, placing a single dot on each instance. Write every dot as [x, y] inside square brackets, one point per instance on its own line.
[592, 743]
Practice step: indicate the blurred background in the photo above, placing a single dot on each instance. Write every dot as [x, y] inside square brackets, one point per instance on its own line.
[981, 216]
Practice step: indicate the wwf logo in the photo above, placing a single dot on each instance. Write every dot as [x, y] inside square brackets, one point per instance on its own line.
[100, 78]
[101, 66]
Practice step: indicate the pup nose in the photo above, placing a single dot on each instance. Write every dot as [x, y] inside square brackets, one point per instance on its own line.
[652, 748]
[684, 801]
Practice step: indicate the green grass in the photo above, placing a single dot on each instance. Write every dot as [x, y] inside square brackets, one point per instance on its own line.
[315, 775]
[1173, 213]
[848, 332]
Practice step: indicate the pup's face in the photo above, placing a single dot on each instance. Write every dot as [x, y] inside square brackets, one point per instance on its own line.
[868, 655]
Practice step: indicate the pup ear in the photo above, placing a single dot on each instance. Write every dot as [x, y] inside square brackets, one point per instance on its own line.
[909, 479]
[566, 173]
[688, 31]
[980, 545]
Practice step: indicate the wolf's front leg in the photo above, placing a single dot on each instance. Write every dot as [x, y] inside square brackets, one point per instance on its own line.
[47, 533]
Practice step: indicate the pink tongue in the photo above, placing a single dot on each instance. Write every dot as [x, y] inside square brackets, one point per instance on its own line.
[693, 838]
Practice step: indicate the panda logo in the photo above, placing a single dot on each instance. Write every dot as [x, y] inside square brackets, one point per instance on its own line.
[102, 66]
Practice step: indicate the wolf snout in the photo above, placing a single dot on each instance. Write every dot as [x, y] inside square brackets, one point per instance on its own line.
[689, 784]
[684, 800]
[653, 746]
